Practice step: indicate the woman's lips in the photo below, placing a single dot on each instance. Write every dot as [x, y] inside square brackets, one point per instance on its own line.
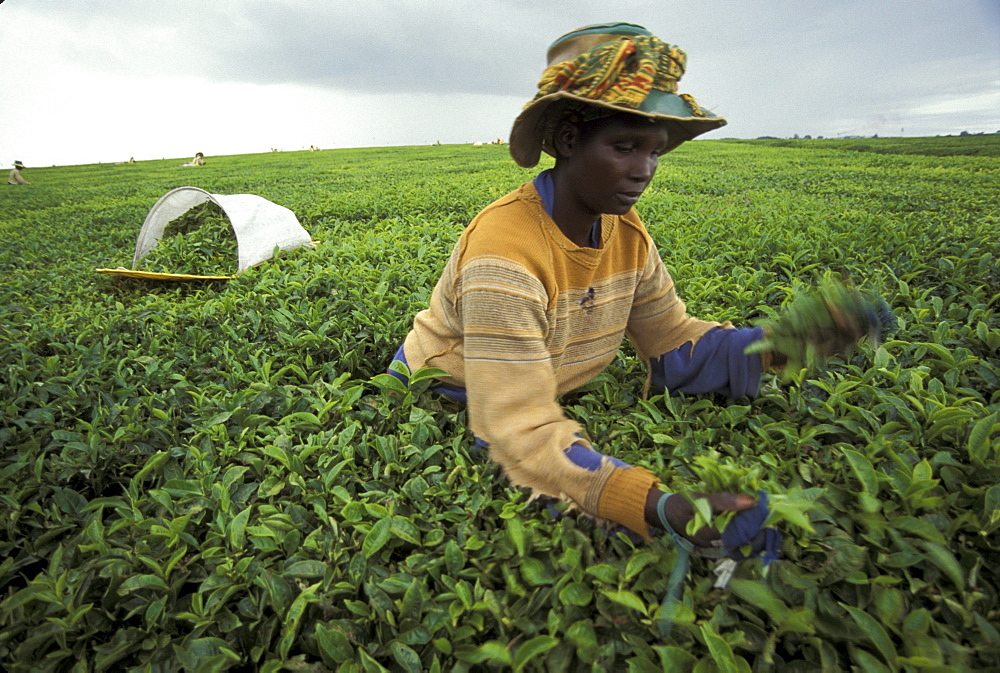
[629, 198]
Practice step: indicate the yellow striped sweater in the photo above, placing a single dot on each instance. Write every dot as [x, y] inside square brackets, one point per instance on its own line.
[521, 315]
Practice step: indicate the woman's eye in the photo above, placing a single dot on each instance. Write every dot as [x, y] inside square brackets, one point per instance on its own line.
[624, 148]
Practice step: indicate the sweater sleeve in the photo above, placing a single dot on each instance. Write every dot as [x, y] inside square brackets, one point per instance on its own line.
[512, 402]
[659, 322]
[684, 354]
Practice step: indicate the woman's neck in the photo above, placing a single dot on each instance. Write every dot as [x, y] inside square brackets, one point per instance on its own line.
[575, 223]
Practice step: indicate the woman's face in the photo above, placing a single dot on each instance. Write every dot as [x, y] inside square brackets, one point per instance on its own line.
[611, 161]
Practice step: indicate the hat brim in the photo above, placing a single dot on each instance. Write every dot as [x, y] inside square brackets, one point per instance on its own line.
[682, 123]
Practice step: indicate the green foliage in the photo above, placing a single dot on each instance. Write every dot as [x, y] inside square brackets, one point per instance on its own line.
[220, 476]
[720, 475]
[947, 146]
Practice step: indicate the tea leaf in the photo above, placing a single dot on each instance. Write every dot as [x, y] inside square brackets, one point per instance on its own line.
[979, 437]
[722, 652]
[405, 656]
[404, 529]
[377, 537]
[492, 651]
[924, 529]
[626, 598]
[874, 632]
[576, 593]
[137, 582]
[306, 569]
[945, 561]
[863, 470]
[333, 643]
[531, 649]
[757, 594]
[237, 529]
[675, 658]
[516, 532]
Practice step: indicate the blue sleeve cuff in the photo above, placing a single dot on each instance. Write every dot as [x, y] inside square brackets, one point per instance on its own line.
[589, 459]
[716, 365]
[454, 392]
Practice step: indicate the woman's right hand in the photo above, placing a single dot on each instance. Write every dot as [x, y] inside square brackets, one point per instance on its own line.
[678, 511]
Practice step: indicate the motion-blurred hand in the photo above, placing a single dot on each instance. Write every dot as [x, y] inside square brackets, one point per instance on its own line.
[678, 511]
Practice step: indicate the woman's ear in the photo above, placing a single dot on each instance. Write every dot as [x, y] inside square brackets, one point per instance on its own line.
[566, 139]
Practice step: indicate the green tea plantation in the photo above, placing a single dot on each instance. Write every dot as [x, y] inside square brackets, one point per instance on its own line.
[219, 475]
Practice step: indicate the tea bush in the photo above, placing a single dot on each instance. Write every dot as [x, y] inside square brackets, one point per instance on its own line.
[218, 475]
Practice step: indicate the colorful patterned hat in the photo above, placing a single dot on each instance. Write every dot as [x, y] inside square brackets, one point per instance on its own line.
[18, 164]
[621, 67]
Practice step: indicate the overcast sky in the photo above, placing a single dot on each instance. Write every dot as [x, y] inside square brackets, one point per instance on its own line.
[84, 81]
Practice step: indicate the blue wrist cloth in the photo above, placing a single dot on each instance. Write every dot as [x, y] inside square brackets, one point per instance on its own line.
[456, 393]
[583, 456]
[747, 527]
[716, 365]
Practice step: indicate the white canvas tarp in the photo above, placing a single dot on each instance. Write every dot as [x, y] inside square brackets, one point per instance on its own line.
[259, 225]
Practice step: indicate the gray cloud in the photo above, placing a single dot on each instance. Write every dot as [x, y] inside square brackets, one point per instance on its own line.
[497, 47]
[772, 67]
[413, 47]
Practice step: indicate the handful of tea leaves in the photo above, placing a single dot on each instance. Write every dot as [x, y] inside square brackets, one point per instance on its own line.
[715, 474]
[822, 321]
[199, 242]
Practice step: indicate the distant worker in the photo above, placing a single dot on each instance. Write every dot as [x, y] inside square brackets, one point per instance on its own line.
[15, 177]
[199, 160]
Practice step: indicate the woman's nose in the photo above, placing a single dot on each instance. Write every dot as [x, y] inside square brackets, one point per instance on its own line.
[643, 168]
